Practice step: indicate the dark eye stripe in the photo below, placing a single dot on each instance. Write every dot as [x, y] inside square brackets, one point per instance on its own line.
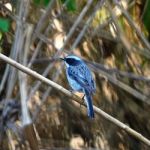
[72, 61]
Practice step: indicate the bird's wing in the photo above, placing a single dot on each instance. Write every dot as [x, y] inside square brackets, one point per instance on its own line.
[78, 76]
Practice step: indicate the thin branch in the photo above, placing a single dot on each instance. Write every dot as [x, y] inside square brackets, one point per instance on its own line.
[56, 75]
[75, 98]
[125, 42]
[109, 20]
[47, 93]
[123, 86]
[43, 18]
[10, 139]
[103, 67]
[23, 85]
[76, 23]
[118, 72]
[18, 44]
[78, 39]
[26, 119]
[133, 25]
[72, 30]
[46, 32]
[38, 47]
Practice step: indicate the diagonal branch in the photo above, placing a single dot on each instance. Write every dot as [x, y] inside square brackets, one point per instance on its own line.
[75, 98]
[133, 25]
[59, 51]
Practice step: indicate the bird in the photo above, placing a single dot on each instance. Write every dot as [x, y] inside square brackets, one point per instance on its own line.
[80, 79]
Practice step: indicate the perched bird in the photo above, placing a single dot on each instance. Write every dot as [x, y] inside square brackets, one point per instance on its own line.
[80, 79]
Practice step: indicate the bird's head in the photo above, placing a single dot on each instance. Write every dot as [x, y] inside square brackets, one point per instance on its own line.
[72, 60]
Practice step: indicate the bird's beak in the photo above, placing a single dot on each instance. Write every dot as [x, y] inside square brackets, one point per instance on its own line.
[62, 59]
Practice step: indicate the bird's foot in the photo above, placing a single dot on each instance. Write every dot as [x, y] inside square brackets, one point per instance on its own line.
[82, 101]
[72, 91]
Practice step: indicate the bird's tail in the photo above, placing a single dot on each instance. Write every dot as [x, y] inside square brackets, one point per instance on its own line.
[88, 100]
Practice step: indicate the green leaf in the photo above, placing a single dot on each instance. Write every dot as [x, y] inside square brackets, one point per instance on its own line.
[46, 2]
[70, 4]
[41, 2]
[4, 24]
[37, 1]
[146, 15]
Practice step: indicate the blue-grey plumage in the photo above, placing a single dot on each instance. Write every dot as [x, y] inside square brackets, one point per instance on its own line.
[80, 79]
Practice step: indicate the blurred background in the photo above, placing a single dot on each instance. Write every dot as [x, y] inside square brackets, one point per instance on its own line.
[112, 36]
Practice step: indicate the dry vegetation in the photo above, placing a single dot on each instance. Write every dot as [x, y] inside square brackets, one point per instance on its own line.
[111, 37]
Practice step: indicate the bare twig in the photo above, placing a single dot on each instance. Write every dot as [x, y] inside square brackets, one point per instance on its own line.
[125, 42]
[38, 28]
[10, 139]
[72, 30]
[38, 47]
[123, 86]
[105, 68]
[72, 48]
[23, 92]
[23, 79]
[43, 18]
[109, 20]
[76, 23]
[75, 98]
[18, 43]
[47, 93]
[118, 72]
[98, 6]
[133, 25]
[26, 119]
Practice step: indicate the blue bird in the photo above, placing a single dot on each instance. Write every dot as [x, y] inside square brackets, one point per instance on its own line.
[80, 79]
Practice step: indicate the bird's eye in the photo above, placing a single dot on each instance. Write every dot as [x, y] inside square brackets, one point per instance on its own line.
[72, 62]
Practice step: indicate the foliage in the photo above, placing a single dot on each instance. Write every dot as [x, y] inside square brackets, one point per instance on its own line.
[113, 49]
[4, 24]
[146, 15]
[42, 2]
[71, 5]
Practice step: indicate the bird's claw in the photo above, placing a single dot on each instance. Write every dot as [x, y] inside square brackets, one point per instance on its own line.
[82, 101]
[72, 91]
